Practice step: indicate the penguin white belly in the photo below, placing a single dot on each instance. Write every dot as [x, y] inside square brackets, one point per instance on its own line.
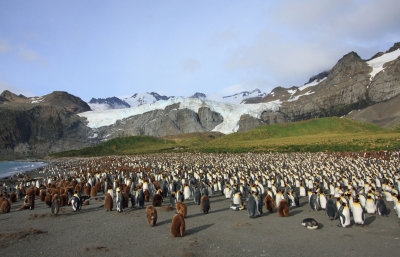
[236, 199]
[370, 207]
[397, 209]
[346, 214]
[322, 200]
[389, 197]
[186, 193]
[362, 201]
[278, 199]
[302, 191]
[358, 214]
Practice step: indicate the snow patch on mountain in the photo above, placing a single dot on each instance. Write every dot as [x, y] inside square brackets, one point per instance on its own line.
[311, 84]
[239, 97]
[230, 112]
[378, 62]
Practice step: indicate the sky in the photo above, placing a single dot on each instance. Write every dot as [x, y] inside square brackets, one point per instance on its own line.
[106, 48]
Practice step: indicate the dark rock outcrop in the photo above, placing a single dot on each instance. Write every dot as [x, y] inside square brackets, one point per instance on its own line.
[159, 123]
[112, 102]
[35, 127]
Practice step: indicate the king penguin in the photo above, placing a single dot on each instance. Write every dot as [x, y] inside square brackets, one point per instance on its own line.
[381, 207]
[370, 206]
[358, 212]
[344, 215]
[252, 206]
[119, 200]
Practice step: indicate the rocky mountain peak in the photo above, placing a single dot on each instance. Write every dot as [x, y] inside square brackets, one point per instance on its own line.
[9, 96]
[394, 47]
[198, 95]
[68, 101]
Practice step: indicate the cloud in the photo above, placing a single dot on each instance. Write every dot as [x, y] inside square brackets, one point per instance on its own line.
[281, 59]
[27, 54]
[4, 46]
[223, 38]
[341, 19]
[303, 38]
[190, 65]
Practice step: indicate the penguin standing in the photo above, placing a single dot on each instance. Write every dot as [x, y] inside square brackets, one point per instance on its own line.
[55, 206]
[205, 204]
[151, 215]
[108, 202]
[178, 225]
[119, 200]
[314, 201]
[397, 206]
[140, 198]
[237, 202]
[344, 215]
[283, 208]
[187, 193]
[358, 212]
[269, 203]
[197, 196]
[252, 206]
[133, 199]
[322, 201]
[381, 207]
[331, 209]
[370, 206]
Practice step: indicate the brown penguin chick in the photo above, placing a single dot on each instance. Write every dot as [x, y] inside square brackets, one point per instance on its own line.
[13, 197]
[108, 202]
[87, 189]
[93, 192]
[55, 206]
[42, 194]
[178, 225]
[98, 186]
[63, 199]
[283, 209]
[269, 203]
[181, 208]
[205, 203]
[146, 195]
[48, 200]
[5, 205]
[126, 199]
[157, 200]
[151, 215]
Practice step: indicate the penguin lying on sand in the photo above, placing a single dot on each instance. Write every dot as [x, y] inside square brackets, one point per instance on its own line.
[310, 223]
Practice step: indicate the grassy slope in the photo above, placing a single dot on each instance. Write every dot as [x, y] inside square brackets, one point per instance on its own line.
[325, 134]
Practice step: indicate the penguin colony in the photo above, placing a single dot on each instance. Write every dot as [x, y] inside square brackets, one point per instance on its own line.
[345, 186]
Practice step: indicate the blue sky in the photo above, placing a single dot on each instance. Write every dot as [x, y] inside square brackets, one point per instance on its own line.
[106, 48]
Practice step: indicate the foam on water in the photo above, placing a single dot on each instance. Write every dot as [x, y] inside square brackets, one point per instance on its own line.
[9, 168]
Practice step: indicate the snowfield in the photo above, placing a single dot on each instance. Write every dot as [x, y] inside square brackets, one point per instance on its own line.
[378, 62]
[229, 111]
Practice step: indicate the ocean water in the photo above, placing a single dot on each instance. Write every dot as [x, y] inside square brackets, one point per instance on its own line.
[9, 168]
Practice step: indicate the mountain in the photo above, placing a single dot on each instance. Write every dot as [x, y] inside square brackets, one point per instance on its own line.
[108, 103]
[243, 96]
[135, 100]
[37, 126]
[365, 90]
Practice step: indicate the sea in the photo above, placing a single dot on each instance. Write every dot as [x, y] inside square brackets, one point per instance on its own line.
[8, 168]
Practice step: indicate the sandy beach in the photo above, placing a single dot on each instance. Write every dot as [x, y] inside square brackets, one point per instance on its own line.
[93, 231]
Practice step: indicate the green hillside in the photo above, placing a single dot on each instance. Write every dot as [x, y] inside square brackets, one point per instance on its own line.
[316, 135]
